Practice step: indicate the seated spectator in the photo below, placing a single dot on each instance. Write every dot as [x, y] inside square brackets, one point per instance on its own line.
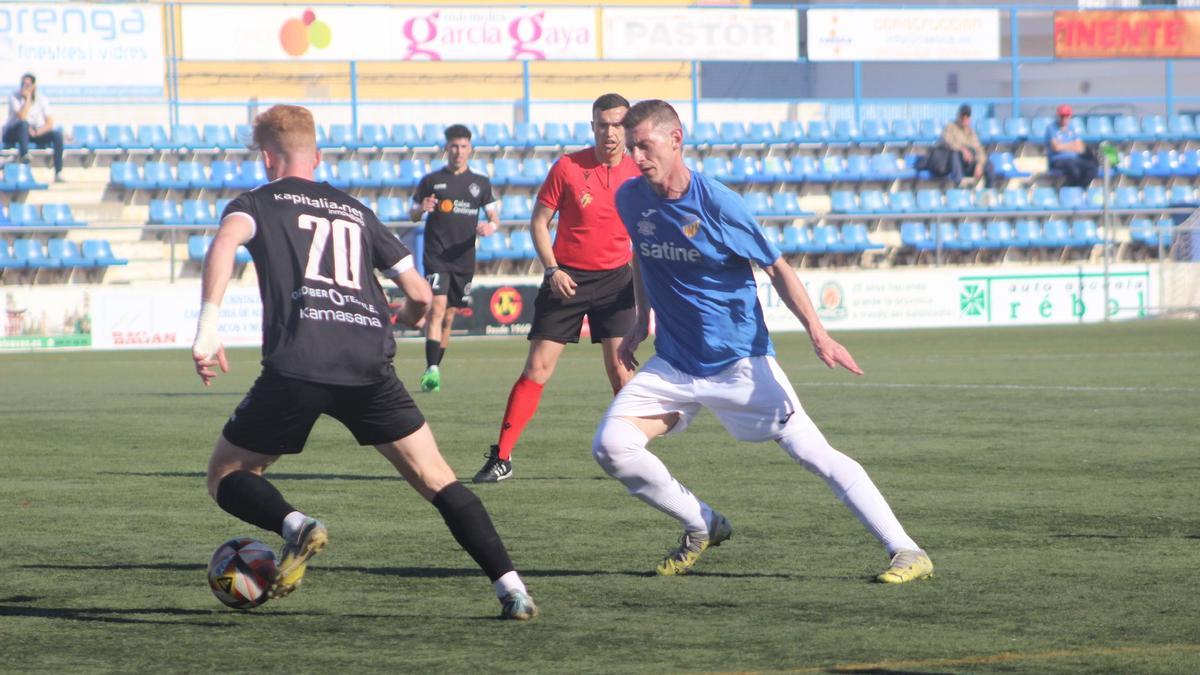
[1066, 152]
[967, 158]
[29, 120]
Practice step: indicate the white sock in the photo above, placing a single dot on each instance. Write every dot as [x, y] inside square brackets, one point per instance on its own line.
[849, 482]
[620, 449]
[508, 583]
[292, 523]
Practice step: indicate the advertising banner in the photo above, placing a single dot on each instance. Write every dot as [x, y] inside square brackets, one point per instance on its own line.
[993, 296]
[83, 49]
[165, 316]
[381, 33]
[903, 34]
[45, 318]
[710, 34]
[1137, 34]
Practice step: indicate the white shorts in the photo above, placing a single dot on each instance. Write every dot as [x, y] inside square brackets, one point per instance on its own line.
[752, 397]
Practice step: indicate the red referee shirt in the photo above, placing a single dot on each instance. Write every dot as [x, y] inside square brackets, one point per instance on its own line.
[591, 235]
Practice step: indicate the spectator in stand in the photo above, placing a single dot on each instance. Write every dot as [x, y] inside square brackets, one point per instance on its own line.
[967, 157]
[29, 120]
[1066, 152]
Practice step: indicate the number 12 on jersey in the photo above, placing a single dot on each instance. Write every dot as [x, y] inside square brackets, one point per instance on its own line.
[347, 250]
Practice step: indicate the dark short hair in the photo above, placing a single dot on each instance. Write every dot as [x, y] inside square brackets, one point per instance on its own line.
[31, 76]
[457, 131]
[654, 109]
[964, 110]
[608, 102]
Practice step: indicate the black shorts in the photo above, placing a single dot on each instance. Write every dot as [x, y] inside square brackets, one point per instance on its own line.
[604, 296]
[456, 286]
[278, 413]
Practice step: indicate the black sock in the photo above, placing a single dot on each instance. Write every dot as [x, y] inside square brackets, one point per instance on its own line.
[472, 528]
[441, 354]
[433, 353]
[252, 498]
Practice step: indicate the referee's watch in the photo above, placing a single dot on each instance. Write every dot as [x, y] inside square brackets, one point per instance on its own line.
[549, 272]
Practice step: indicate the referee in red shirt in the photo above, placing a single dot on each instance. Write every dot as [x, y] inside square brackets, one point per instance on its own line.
[587, 272]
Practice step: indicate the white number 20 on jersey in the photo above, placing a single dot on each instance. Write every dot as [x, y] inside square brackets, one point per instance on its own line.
[347, 250]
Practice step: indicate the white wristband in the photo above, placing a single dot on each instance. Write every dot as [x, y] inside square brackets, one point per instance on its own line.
[208, 340]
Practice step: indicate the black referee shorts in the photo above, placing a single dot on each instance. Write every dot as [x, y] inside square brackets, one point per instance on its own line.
[278, 413]
[605, 297]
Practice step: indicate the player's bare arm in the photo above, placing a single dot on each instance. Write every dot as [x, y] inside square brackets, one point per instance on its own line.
[640, 329]
[792, 292]
[419, 296]
[561, 283]
[207, 350]
[488, 227]
[419, 209]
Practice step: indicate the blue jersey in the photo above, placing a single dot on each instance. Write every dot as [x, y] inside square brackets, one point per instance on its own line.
[694, 254]
[1062, 135]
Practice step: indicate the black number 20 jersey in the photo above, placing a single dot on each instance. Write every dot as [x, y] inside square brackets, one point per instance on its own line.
[315, 249]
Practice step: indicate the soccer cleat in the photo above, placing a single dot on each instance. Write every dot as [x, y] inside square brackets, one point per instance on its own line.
[680, 560]
[907, 565]
[431, 380]
[294, 557]
[518, 606]
[494, 469]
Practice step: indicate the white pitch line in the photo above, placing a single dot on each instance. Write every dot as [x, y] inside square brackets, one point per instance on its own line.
[1017, 387]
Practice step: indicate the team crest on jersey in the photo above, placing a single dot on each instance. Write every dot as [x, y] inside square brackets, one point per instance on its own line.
[474, 189]
[645, 228]
[585, 199]
[691, 229]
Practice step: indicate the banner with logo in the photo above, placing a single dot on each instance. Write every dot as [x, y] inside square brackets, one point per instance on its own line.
[710, 34]
[83, 49]
[903, 34]
[45, 318]
[989, 296]
[165, 316]
[1137, 34]
[381, 33]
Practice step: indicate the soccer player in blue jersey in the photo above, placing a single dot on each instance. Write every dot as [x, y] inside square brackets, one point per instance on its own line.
[694, 242]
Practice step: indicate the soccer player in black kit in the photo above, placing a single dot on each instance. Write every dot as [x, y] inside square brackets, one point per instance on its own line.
[452, 196]
[327, 349]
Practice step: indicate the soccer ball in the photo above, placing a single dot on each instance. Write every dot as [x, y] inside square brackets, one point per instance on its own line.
[240, 571]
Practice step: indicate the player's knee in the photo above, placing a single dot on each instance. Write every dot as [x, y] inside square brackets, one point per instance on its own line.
[616, 444]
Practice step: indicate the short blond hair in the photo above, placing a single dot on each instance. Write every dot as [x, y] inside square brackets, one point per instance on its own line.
[285, 129]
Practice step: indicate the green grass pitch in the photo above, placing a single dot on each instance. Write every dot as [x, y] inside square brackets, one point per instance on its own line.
[1052, 473]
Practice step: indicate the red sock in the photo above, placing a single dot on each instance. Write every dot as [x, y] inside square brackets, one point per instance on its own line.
[522, 403]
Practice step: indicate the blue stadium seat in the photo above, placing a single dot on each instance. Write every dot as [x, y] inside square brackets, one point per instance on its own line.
[410, 171]
[856, 168]
[740, 169]
[25, 215]
[1135, 164]
[705, 133]
[198, 247]
[902, 202]
[33, 253]
[251, 174]
[1070, 198]
[180, 177]
[798, 239]
[515, 207]
[790, 132]
[1005, 167]
[806, 169]
[524, 136]
[757, 202]
[222, 173]
[1165, 164]
[1181, 127]
[1127, 129]
[1126, 197]
[405, 136]
[486, 248]
[999, 235]
[60, 215]
[382, 172]
[874, 133]
[1098, 128]
[1181, 195]
[198, 176]
[323, 173]
[187, 137]
[843, 201]
[153, 176]
[433, 135]
[493, 133]
[244, 135]
[1043, 198]
[1154, 197]
[929, 201]
[945, 236]
[914, 235]
[374, 137]
[760, 133]
[971, 236]
[1026, 231]
[1038, 126]
[958, 199]
[845, 132]
[520, 246]
[84, 137]
[345, 172]
[219, 136]
[732, 133]
[1152, 233]
[928, 131]
[149, 137]
[882, 167]
[555, 134]
[829, 238]
[533, 172]
[855, 236]
[581, 133]
[1094, 198]
[67, 253]
[872, 201]
[122, 173]
[338, 137]
[391, 210]
[1189, 164]
[18, 178]
[197, 212]
[118, 137]
[990, 130]
[786, 203]
[164, 212]
[819, 132]
[1084, 233]
[1154, 127]
[773, 169]
[903, 131]
[1056, 233]
[716, 168]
